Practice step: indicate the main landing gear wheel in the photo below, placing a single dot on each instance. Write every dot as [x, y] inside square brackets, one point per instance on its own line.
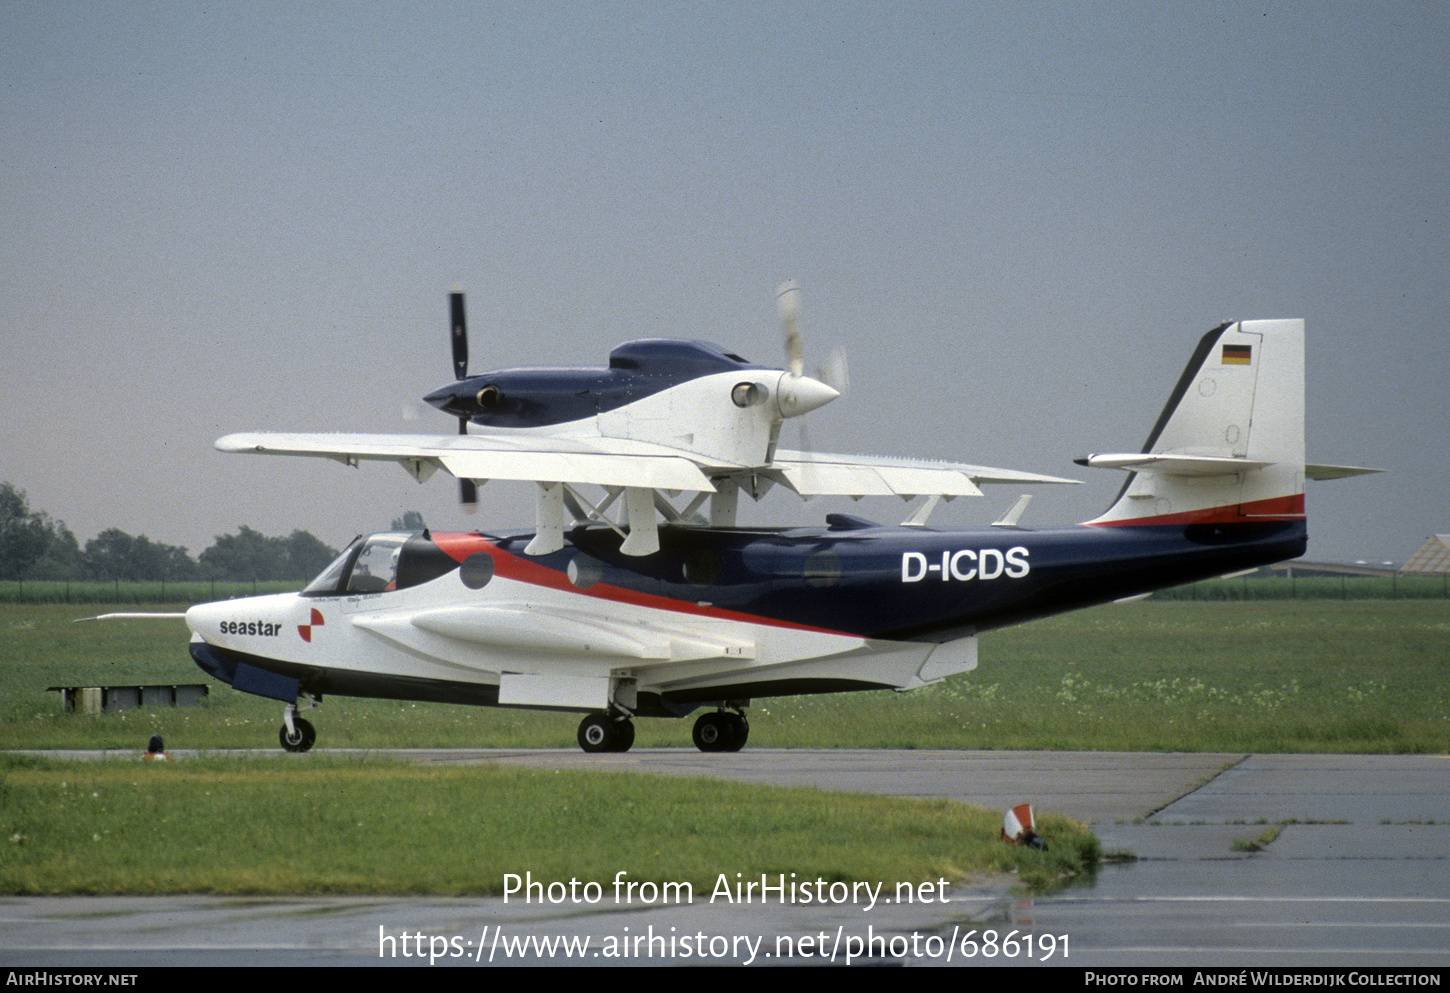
[721, 731]
[602, 733]
[302, 737]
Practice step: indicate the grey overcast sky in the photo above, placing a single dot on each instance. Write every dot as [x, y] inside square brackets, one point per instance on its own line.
[1017, 219]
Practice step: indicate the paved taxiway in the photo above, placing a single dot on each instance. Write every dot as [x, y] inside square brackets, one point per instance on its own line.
[1358, 874]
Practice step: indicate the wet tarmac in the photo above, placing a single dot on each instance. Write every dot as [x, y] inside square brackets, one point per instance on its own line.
[1237, 862]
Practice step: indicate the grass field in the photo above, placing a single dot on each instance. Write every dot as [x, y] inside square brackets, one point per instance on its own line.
[280, 825]
[1299, 675]
[1306, 675]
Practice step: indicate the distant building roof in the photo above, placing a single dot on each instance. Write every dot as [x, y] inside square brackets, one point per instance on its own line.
[1433, 558]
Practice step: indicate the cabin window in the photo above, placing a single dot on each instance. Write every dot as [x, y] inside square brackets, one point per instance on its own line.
[382, 563]
[376, 568]
[477, 570]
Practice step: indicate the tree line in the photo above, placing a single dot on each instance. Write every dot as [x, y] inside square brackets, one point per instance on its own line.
[34, 546]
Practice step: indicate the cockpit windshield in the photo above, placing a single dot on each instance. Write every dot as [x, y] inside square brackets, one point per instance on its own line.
[382, 563]
[329, 580]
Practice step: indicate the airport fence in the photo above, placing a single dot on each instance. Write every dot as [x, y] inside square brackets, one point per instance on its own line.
[136, 593]
[1317, 587]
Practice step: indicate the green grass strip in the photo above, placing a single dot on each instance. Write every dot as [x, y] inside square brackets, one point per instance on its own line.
[321, 825]
[1362, 676]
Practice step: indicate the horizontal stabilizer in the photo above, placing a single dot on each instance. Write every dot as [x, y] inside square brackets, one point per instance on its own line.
[1336, 471]
[1208, 465]
[1173, 465]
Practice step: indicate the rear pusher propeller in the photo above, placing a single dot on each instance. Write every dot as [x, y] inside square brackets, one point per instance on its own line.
[458, 322]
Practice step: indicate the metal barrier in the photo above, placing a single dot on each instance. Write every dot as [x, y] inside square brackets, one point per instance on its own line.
[112, 699]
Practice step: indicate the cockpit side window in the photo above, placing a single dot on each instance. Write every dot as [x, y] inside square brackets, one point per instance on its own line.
[376, 567]
[382, 563]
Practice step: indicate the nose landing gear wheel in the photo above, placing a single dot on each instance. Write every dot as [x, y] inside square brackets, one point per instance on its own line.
[302, 737]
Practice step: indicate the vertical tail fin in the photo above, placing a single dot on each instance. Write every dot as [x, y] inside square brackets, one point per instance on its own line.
[1229, 445]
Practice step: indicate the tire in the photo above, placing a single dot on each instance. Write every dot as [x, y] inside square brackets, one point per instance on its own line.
[714, 732]
[597, 734]
[302, 740]
[624, 735]
[740, 731]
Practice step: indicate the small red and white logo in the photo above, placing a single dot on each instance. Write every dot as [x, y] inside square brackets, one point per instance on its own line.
[306, 629]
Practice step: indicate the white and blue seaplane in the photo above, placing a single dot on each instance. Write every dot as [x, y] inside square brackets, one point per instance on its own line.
[636, 594]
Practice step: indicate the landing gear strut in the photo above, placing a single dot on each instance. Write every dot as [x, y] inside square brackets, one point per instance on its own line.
[603, 733]
[721, 731]
[297, 734]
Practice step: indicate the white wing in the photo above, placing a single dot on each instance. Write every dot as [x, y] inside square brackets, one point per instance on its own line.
[822, 473]
[536, 458]
[623, 462]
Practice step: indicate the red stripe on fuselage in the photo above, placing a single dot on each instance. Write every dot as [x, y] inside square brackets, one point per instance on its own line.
[460, 546]
[510, 566]
[1288, 508]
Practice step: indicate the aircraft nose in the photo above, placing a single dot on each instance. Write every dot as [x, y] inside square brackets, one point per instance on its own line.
[224, 621]
[204, 619]
[447, 398]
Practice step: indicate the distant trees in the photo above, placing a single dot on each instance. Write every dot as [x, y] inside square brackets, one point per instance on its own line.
[250, 555]
[307, 555]
[410, 521]
[24, 535]
[32, 546]
[114, 554]
[62, 557]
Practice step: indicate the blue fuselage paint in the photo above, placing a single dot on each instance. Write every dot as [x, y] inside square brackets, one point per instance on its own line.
[533, 398]
[908, 584]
